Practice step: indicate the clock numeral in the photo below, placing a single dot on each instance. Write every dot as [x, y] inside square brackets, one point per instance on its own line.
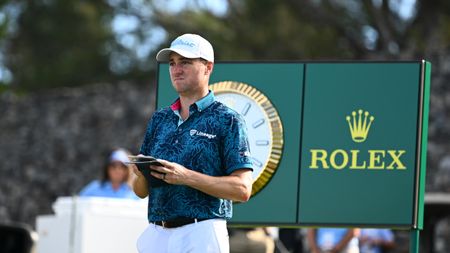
[257, 162]
[262, 143]
[258, 123]
[246, 109]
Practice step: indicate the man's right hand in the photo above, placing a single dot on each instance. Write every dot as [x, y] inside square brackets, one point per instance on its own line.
[136, 170]
[140, 185]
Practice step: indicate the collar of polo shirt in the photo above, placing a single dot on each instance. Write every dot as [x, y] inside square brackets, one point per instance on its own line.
[201, 104]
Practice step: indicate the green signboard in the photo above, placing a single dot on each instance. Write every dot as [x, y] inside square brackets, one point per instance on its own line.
[334, 144]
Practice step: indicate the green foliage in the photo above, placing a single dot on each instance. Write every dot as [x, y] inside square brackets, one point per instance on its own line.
[59, 43]
[324, 29]
[260, 30]
[69, 43]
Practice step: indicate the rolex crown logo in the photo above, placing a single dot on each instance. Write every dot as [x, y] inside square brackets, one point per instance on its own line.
[359, 125]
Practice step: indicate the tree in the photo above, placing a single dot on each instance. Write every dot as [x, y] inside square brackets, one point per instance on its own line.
[324, 29]
[68, 43]
[59, 43]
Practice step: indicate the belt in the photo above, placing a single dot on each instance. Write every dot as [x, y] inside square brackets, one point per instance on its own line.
[177, 222]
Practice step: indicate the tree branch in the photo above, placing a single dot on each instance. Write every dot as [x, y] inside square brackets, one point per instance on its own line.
[328, 14]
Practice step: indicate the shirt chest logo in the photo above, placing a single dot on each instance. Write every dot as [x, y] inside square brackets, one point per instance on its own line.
[194, 132]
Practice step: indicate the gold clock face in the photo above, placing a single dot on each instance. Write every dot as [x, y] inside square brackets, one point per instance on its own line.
[265, 131]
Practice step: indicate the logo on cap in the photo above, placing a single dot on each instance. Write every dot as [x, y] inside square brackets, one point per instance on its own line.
[183, 43]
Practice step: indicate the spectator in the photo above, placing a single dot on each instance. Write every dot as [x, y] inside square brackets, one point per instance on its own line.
[376, 240]
[333, 240]
[252, 240]
[114, 181]
[292, 239]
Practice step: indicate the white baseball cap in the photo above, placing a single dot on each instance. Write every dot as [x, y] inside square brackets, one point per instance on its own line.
[189, 46]
[119, 155]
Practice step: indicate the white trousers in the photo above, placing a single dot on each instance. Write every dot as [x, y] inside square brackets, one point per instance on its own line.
[208, 236]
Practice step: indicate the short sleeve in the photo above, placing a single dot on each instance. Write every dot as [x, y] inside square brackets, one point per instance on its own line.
[236, 146]
[148, 137]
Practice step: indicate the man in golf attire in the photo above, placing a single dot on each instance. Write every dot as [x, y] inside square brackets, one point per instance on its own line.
[203, 148]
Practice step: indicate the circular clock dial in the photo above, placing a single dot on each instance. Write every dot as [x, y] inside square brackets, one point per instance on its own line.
[259, 134]
[265, 132]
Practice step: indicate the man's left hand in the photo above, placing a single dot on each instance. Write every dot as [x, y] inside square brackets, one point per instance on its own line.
[170, 172]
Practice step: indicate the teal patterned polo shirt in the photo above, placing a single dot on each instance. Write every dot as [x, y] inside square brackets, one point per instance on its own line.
[212, 140]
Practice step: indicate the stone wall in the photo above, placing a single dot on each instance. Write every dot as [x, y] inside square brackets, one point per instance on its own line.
[53, 143]
[438, 166]
[438, 161]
